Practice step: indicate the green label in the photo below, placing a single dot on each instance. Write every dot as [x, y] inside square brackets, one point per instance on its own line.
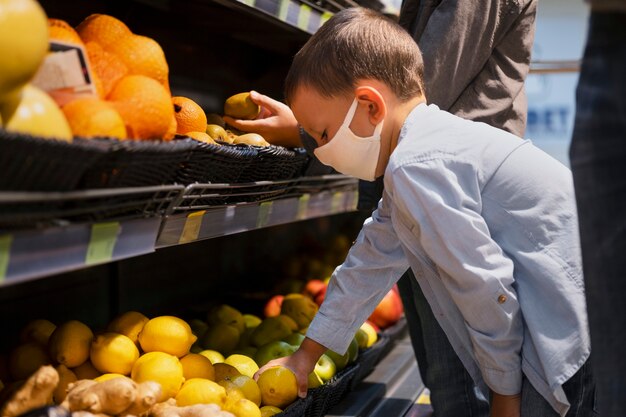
[336, 204]
[102, 242]
[191, 229]
[282, 11]
[265, 211]
[325, 17]
[5, 255]
[355, 200]
[303, 206]
[304, 17]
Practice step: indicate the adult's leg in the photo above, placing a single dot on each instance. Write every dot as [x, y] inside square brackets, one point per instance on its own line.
[598, 159]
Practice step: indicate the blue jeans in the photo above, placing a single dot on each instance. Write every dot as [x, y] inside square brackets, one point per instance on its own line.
[598, 160]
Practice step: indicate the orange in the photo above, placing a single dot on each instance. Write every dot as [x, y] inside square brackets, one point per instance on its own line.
[143, 56]
[89, 117]
[104, 29]
[189, 115]
[106, 67]
[145, 106]
[60, 30]
[171, 130]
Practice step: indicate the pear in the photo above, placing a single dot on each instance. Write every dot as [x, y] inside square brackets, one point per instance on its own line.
[270, 329]
[300, 308]
[241, 106]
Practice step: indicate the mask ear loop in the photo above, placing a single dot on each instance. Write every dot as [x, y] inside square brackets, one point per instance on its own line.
[350, 114]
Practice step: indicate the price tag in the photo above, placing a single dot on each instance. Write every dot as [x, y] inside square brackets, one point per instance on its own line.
[102, 242]
[5, 254]
[304, 17]
[191, 230]
[282, 11]
[303, 206]
[336, 203]
[265, 211]
[355, 200]
[325, 17]
[249, 2]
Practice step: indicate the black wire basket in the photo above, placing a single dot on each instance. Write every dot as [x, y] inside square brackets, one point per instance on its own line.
[275, 163]
[298, 408]
[332, 392]
[368, 358]
[29, 163]
[131, 163]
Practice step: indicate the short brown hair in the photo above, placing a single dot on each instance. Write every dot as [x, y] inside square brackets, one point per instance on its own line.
[355, 44]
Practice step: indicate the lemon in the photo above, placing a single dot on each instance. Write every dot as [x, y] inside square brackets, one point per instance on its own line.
[251, 321]
[213, 355]
[224, 370]
[86, 371]
[106, 377]
[201, 391]
[244, 364]
[249, 387]
[162, 368]
[113, 353]
[269, 410]
[167, 334]
[129, 324]
[25, 359]
[70, 343]
[233, 392]
[221, 337]
[278, 386]
[37, 331]
[197, 366]
[243, 408]
[66, 377]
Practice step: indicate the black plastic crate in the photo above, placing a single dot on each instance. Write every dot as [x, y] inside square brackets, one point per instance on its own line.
[332, 392]
[298, 408]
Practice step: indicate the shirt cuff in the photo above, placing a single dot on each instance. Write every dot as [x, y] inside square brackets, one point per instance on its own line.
[503, 382]
[331, 334]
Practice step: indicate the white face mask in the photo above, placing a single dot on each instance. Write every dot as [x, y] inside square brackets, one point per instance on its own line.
[351, 154]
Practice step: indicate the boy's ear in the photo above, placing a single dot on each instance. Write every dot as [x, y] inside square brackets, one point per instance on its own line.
[374, 101]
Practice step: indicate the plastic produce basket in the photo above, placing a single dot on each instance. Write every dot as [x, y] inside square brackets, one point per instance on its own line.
[131, 163]
[29, 163]
[329, 394]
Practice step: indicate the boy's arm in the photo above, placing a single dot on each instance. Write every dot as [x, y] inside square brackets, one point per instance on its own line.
[444, 200]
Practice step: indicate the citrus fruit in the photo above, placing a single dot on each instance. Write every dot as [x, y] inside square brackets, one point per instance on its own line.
[243, 408]
[104, 29]
[201, 137]
[106, 67]
[241, 106]
[113, 353]
[60, 30]
[26, 359]
[162, 368]
[249, 387]
[171, 129]
[142, 56]
[213, 355]
[106, 377]
[250, 320]
[221, 337]
[189, 115]
[90, 117]
[129, 324]
[233, 393]
[244, 364]
[269, 410]
[37, 331]
[70, 343]
[145, 106]
[167, 334]
[278, 387]
[23, 44]
[224, 370]
[197, 366]
[200, 391]
[86, 371]
[66, 377]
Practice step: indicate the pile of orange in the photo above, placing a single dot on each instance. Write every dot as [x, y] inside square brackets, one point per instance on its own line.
[130, 73]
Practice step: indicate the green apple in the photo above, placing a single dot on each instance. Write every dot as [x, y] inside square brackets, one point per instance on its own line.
[361, 338]
[353, 350]
[273, 350]
[314, 381]
[325, 368]
[294, 339]
[341, 361]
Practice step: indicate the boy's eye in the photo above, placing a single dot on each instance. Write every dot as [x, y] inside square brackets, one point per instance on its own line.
[324, 136]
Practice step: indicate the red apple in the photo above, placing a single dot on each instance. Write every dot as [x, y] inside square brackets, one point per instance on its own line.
[389, 310]
[313, 287]
[273, 306]
[319, 298]
[371, 323]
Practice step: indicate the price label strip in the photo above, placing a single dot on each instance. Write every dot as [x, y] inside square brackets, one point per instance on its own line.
[304, 17]
[102, 242]
[265, 212]
[303, 206]
[191, 229]
[355, 200]
[5, 255]
[336, 204]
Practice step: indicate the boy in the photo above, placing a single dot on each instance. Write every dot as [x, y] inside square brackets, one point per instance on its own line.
[485, 220]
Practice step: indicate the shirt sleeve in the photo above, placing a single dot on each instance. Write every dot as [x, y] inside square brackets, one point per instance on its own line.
[374, 263]
[442, 199]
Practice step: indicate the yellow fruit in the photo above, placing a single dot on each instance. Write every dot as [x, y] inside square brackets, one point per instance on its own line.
[37, 331]
[197, 366]
[142, 56]
[201, 391]
[216, 132]
[23, 44]
[106, 67]
[129, 324]
[224, 371]
[171, 129]
[32, 111]
[26, 359]
[60, 30]
[113, 353]
[289, 322]
[251, 321]
[86, 371]
[213, 355]
[249, 387]
[372, 335]
[201, 137]
[189, 115]
[66, 377]
[103, 29]
[227, 315]
[233, 393]
[269, 411]
[241, 106]
[145, 106]
[92, 117]
[270, 329]
[167, 334]
[106, 377]
[253, 139]
[221, 337]
[300, 308]
[70, 343]
[162, 368]
[245, 365]
[243, 408]
[278, 387]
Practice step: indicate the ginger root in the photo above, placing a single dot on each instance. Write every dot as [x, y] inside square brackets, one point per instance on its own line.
[148, 393]
[169, 409]
[110, 397]
[36, 392]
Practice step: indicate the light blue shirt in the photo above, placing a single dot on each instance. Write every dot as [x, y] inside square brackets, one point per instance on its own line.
[487, 222]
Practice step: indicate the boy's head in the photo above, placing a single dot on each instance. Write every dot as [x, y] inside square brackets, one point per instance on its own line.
[358, 70]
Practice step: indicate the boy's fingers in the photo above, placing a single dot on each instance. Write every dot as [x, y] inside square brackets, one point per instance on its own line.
[265, 101]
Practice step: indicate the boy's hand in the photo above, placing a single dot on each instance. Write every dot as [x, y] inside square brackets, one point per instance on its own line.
[276, 122]
[505, 405]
